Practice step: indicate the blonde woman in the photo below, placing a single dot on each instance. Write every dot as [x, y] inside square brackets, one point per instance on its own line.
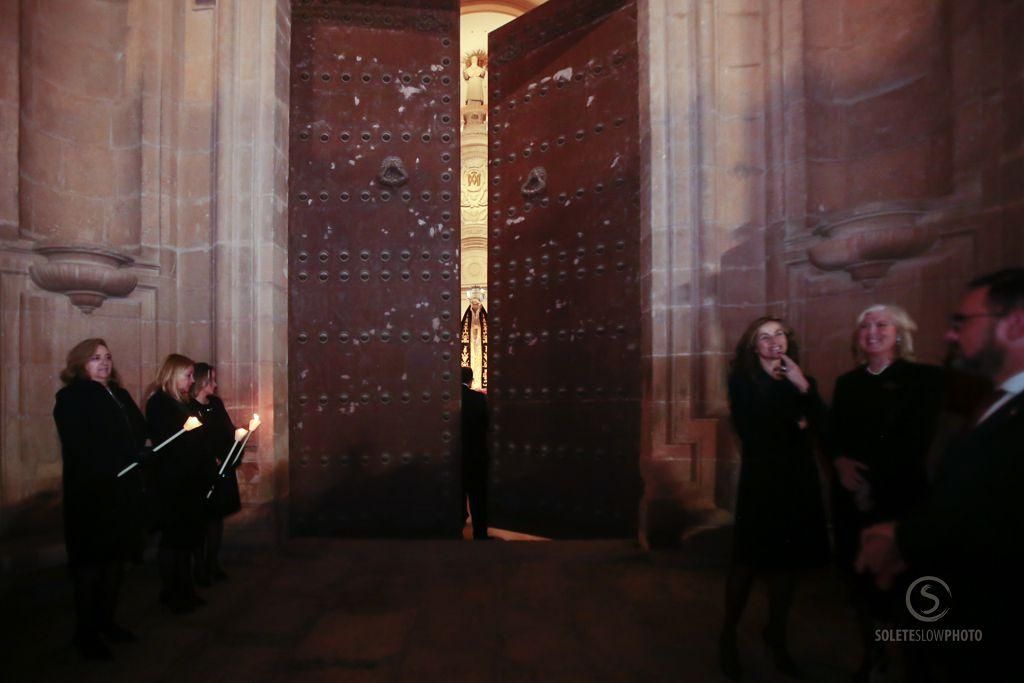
[883, 420]
[180, 483]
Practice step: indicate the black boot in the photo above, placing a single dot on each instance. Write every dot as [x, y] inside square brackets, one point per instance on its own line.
[186, 584]
[784, 664]
[91, 646]
[116, 633]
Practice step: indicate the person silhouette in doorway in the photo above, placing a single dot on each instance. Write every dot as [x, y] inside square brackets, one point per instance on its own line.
[474, 454]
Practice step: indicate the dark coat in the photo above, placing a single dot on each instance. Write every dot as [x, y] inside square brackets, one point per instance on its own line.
[780, 518]
[474, 457]
[101, 433]
[474, 425]
[216, 437]
[887, 422]
[968, 532]
[181, 471]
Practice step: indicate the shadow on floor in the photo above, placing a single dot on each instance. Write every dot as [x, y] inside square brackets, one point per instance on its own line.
[432, 610]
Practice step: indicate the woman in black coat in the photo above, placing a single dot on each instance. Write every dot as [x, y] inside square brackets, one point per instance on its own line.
[780, 519]
[884, 416]
[180, 483]
[101, 432]
[217, 438]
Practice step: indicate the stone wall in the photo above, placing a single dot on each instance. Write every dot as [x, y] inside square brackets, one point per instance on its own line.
[804, 157]
[251, 235]
[914, 159]
[152, 138]
[9, 94]
[807, 159]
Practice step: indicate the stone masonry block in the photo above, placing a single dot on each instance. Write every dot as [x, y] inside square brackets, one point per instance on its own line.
[80, 69]
[97, 24]
[90, 170]
[63, 114]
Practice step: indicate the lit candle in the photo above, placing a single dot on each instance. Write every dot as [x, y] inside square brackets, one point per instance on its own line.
[253, 424]
[239, 435]
[191, 423]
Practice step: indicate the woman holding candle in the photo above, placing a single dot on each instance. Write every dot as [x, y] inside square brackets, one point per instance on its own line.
[101, 432]
[780, 519]
[884, 417]
[180, 476]
[217, 439]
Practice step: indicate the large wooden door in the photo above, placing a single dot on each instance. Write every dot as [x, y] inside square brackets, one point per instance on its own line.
[373, 267]
[564, 289]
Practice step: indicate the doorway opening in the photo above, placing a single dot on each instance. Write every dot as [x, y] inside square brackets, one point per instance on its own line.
[477, 20]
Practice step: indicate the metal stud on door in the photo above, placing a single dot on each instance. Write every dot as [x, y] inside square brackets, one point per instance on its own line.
[373, 268]
[564, 229]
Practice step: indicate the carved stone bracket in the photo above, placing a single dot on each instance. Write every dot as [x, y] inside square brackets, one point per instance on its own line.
[868, 240]
[87, 274]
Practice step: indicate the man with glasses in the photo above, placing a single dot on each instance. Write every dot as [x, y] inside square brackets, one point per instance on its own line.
[970, 530]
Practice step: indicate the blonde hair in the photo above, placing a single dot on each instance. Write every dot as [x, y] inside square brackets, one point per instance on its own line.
[166, 378]
[905, 328]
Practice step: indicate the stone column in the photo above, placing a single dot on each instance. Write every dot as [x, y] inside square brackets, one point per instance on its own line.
[250, 246]
[678, 449]
[80, 145]
[9, 41]
[723, 95]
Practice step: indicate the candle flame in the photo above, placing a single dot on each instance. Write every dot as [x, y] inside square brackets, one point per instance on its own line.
[254, 422]
[191, 423]
[240, 433]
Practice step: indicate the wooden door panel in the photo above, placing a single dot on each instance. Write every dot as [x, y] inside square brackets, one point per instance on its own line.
[373, 267]
[564, 264]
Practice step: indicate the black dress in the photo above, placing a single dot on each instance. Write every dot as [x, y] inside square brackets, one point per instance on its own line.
[101, 433]
[180, 473]
[886, 421]
[217, 436]
[780, 518]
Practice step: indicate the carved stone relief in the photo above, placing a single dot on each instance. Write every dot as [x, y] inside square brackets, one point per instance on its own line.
[474, 181]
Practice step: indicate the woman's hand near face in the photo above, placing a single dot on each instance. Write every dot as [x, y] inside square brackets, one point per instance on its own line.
[794, 374]
[849, 473]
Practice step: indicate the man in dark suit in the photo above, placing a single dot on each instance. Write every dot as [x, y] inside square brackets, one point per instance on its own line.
[474, 454]
[970, 530]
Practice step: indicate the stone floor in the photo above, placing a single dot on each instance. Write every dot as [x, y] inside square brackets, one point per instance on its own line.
[369, 611]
